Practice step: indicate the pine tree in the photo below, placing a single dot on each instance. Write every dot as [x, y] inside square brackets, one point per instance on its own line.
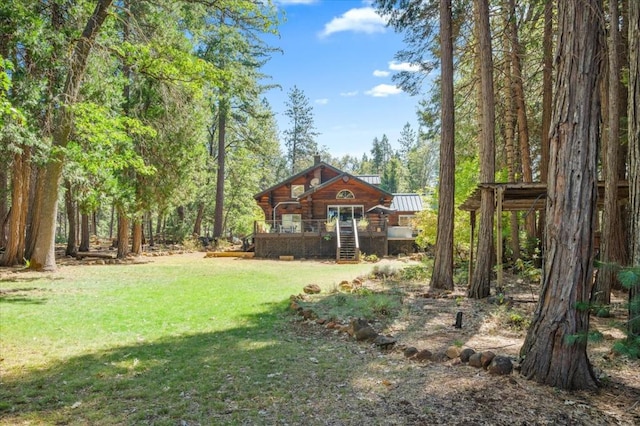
[300, 137]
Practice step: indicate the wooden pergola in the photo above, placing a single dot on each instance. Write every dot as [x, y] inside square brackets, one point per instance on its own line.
[518, 197]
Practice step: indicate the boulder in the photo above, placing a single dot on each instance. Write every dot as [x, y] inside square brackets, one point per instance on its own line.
[423, 355]
[312, 289]
[465, 354]
[410, 352]
[361, 330]
[500, 365]
[453, 352]
[486, 358]
[384, 342]
[475, 360]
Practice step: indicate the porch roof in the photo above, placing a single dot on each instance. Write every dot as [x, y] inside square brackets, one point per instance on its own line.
[519, 196]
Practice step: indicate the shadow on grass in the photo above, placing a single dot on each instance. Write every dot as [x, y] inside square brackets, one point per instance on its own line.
[263, 372]
[17, 295]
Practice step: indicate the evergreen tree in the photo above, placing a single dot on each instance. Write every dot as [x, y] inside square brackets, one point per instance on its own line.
[300, 137]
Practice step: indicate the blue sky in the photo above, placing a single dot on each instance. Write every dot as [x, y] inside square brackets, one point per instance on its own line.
[341, 55]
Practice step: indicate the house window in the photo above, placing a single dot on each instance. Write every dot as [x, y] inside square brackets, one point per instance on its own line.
[406, 220]
[291, 223]
[345, 194]
[297, 190]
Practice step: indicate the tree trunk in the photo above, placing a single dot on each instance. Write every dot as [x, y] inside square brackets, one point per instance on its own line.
[481, 284]
[72, 243]
[123, 234]
[136, 240]
[43, 256]
[150, 229]
[113, 209]
[509, 143]
[84, 231]
[197, 226]
[521, 109]
[14, 251]
[218, 216]
[547, 97]
[554, 350]
[4, 205]
[633, 106]
[609, 247]
[442, 276]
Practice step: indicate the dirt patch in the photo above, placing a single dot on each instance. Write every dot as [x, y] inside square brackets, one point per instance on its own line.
[397, 390]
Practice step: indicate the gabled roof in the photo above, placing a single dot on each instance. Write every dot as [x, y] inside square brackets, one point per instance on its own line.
[297, 175]
[407, 202]
[340, 177]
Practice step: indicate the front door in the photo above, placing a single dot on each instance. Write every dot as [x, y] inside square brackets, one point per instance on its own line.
[345, 214]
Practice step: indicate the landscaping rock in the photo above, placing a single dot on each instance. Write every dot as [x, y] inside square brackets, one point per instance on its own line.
[423, 355]
[486, 358]
[312, 289]
[465, 354]
[384, 342]
[361, 330]
[453, 352]
[475, 360]
[501, 366]
[410, 352]
[307, 313]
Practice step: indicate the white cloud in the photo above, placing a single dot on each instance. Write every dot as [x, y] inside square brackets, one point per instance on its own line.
[403, 66]
[380, 73]
[362, 20]
[322, 101]
[349, 94]
[383, 90]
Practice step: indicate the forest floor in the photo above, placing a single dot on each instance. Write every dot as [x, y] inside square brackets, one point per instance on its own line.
[446, 391]
[339, 381]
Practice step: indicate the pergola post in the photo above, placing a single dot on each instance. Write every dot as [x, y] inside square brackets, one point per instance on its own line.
[472, 220]
[499, 240]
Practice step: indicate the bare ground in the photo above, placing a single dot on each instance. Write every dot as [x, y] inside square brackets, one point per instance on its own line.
[396, 390]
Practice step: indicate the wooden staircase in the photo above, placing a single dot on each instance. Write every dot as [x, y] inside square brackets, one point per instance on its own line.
[347, 251]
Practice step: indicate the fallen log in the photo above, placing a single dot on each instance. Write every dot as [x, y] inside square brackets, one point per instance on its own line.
[95, 254]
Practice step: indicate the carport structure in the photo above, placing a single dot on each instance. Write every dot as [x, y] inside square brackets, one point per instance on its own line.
[517, 196]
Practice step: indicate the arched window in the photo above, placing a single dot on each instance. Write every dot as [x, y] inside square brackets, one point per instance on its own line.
[345, 194]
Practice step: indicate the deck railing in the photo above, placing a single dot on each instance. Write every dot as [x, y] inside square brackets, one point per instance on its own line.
[312, 226]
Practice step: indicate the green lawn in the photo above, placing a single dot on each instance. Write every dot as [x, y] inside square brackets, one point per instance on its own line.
[183, 340]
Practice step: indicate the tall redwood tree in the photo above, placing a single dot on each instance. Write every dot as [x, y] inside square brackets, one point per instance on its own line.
[442, 276]
[554, 350]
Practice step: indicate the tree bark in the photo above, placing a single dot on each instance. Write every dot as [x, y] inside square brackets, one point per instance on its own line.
[554, 350]
[547, 98]
[150, 229]
[43, 256]
[197, 226]
[72, 243]
[633, 106]
[84, 231]
[4, 205]
[509, 137]
[481, 284]
[14, 251]
[123, 234]
[442, 276]
[609, 246]
[218, 216]
[136, 240]
[521, 110]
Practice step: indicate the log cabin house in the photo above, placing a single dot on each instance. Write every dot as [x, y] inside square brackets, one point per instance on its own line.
[323, 212]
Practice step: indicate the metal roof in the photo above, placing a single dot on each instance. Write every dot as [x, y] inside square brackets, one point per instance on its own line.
[407, 202]
[370, 179]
